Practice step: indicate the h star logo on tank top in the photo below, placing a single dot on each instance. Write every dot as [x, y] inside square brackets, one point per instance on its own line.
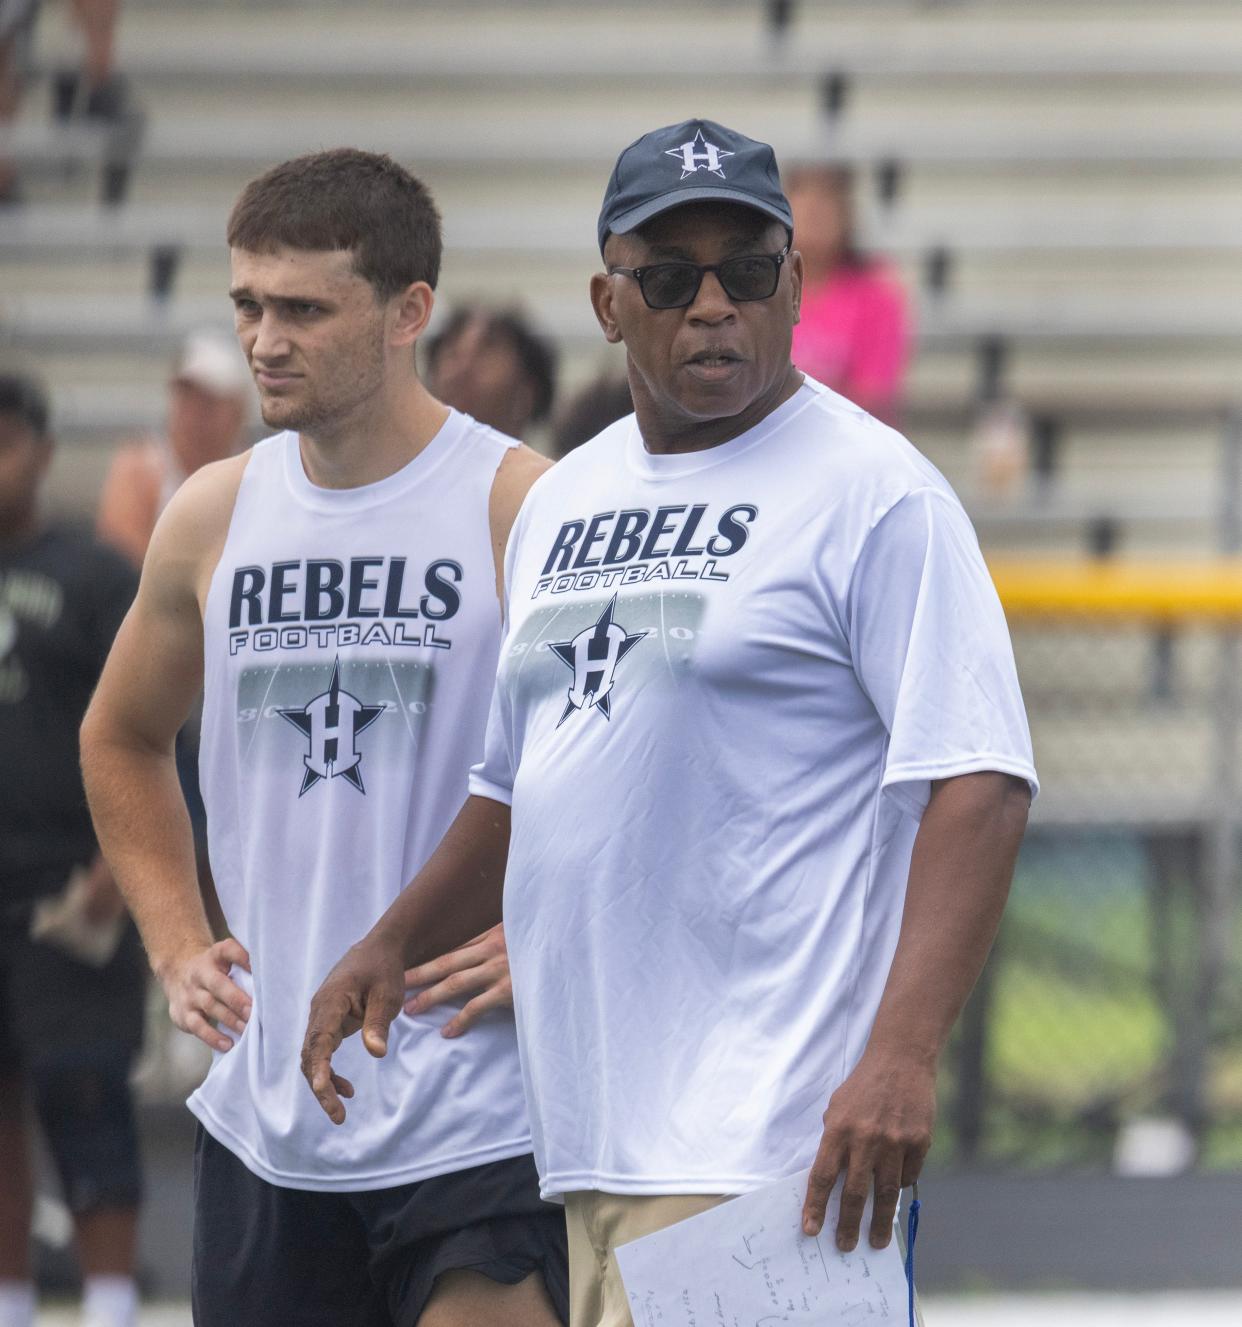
[593, 655]
[331, 723]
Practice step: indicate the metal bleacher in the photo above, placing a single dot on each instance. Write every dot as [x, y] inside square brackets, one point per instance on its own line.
[1058, 183]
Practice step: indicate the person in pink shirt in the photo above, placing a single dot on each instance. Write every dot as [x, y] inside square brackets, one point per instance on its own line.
[854, 333]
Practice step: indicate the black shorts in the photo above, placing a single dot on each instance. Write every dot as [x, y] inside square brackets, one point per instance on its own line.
[267, 1256]
[69, 1033]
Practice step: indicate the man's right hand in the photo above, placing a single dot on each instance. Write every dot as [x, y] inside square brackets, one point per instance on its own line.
[201, 994]
[364, 991]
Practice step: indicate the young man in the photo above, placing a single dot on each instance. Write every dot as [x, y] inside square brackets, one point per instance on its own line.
[335, 592]
[72, 979]
[758, 723]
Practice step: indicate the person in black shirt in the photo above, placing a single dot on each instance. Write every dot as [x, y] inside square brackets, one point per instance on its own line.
[72, 976]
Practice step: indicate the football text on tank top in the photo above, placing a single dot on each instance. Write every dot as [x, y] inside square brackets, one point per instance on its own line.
[350, 643]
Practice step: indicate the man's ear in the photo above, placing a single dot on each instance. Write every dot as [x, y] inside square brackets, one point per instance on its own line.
[602, 303]
[795, 275]
[411, 312]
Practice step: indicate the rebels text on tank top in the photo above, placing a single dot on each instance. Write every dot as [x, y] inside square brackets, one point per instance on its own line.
[350, 643]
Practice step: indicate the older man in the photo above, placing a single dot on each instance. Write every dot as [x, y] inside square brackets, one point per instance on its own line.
[757, 765]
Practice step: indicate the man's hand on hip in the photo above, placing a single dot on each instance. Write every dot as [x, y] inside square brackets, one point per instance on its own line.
[877, 1130]
[201, 993]
[478, 970]
[364, 991]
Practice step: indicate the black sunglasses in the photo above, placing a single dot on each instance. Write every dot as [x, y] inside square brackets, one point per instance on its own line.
[675, 285]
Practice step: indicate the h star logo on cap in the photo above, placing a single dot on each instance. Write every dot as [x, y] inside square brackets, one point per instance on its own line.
[699, 154]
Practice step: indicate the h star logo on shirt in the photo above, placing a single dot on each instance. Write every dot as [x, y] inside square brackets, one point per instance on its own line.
[331, 722]
[699, 154]
[593, 655]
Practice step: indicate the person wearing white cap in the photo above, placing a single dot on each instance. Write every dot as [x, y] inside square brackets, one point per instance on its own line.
[209, 404]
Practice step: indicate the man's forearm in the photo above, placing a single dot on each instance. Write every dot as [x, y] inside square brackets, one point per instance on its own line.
[457, 895]
[960, 872]
[144, 831]
[878, 1125]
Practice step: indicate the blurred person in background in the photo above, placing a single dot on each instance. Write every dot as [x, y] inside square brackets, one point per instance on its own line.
[209, 398]
[589, 412]
[491, 364]
[93, 90]
[16, 21]
[854, 335]
[209, 404]
[72, 974]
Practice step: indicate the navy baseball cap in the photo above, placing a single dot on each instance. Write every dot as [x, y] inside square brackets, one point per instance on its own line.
[691, 162]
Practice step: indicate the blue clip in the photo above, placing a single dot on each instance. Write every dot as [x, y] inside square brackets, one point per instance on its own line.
[912, 1230]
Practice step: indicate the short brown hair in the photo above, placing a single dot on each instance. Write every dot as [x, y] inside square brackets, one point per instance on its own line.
[345, 199]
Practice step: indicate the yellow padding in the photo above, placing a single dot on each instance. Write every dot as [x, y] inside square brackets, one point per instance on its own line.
[1166, 591]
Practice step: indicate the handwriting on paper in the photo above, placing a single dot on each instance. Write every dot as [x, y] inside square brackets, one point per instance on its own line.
[748, 1264]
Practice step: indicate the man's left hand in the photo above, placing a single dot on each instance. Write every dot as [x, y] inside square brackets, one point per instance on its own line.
[479, 969]
[877, 1130]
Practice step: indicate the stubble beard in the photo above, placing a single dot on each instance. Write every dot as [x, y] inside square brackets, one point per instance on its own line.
[289, 414]
[361, 376]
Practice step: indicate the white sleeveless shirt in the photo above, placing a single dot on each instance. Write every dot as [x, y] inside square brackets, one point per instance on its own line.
[350, 641]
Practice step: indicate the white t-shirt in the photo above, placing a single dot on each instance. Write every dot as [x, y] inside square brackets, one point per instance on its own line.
[728, 679]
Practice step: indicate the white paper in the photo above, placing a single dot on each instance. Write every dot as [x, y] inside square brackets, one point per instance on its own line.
[747, 1263]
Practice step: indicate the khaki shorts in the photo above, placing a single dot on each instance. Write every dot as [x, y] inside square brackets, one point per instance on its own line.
[597, 1223]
